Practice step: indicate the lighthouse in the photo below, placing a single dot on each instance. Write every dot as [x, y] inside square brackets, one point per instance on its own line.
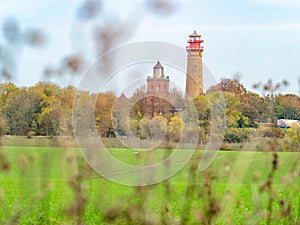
[158, 92]
[158, 83]
[194, 76]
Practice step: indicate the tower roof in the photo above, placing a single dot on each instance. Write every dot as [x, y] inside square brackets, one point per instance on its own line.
[158, 65]
[158, 71]
[195, 34]
[123, 98]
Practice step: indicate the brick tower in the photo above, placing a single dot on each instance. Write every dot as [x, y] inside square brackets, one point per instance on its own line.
[158, 84]
[158, 91]
[194, 77]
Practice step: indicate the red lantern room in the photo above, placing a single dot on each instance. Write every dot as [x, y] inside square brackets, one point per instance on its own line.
[195, 42]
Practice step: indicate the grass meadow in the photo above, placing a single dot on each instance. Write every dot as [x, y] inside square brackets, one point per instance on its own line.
[54, 185]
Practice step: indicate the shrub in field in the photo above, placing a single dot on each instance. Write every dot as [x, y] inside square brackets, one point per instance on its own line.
[265, 132]
[237, 135]
[30, 134]
[291, 139]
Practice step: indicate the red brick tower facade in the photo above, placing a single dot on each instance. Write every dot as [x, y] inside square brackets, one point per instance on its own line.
[158, 91]
[158, 83]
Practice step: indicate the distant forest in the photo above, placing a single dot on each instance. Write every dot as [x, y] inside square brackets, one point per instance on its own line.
[46, 109]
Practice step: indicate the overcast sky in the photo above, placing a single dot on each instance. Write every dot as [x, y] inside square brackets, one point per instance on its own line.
[256, 39]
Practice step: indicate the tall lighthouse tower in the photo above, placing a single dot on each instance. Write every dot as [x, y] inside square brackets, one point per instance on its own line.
[194, 77]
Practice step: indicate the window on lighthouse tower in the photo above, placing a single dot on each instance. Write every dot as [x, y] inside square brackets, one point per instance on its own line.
[194, 69]
[157, 71]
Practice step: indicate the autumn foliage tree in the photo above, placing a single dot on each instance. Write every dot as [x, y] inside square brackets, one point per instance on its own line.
[47, 109]
[175, 128]
[103, 114]
[287, 106]
[228, 85]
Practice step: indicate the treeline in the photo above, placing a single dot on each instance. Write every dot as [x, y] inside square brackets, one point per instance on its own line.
[46, 109]
[244, 112]
[43, 109]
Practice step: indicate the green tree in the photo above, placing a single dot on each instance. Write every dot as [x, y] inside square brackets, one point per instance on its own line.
[287, 107]
[236, 135]
[233, 115]
[249, 106]
[266, 110]
[202, 106]
[21, 111]
[218, 111]
[230, 109]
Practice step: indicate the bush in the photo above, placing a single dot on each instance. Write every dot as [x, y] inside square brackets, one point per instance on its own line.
[30, 134]
[291, 139]
[266, 132]
[270, 132]
[237, 135]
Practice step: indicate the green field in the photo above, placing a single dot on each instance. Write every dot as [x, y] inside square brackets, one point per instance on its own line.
[53, 185]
